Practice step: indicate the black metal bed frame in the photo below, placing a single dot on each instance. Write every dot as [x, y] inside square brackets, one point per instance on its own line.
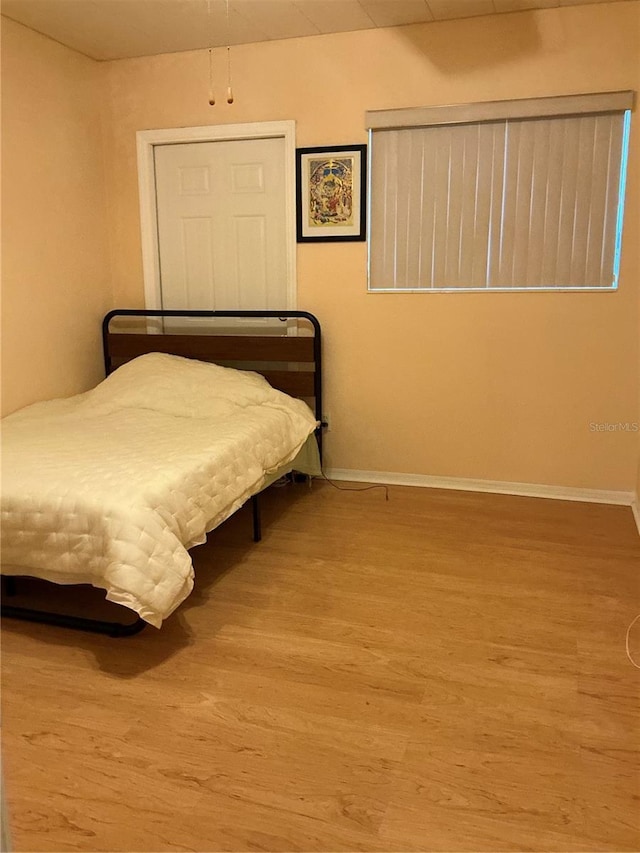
[119, 629]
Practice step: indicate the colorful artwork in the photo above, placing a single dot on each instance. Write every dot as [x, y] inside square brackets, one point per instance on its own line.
[331, 193]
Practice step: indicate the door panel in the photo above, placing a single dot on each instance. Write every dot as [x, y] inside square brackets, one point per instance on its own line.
[194, 284]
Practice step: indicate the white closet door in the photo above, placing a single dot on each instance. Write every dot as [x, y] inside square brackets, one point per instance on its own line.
[222, 224]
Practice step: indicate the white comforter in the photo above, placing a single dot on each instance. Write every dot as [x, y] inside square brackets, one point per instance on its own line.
[113, 486]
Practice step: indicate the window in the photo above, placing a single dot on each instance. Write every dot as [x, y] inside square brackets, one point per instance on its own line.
[504, 195]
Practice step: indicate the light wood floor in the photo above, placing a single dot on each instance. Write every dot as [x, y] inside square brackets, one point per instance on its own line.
[442, 672]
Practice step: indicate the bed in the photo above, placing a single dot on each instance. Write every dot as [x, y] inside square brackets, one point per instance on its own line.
[114, 486]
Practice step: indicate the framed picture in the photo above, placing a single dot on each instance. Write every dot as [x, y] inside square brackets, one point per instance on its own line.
[331, 188]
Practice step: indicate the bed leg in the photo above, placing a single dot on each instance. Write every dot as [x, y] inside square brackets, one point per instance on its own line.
[257, 527]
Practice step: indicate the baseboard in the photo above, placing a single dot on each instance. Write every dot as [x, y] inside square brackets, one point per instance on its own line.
[531, 490]
[635, 506]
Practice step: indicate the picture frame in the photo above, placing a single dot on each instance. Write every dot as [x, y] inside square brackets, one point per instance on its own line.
[331, 194]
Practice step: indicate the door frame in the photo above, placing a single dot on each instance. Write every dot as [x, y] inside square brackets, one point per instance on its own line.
[146, 140]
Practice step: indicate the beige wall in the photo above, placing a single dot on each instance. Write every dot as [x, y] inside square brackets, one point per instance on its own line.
[55, 269]
[491, 386]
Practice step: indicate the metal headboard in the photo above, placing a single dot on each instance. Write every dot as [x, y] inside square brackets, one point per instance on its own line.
[299, 357]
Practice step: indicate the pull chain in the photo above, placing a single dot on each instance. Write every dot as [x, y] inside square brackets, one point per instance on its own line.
[229, 88]
[212, 99]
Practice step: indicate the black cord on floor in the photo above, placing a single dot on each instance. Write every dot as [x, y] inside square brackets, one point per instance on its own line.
[356, 488]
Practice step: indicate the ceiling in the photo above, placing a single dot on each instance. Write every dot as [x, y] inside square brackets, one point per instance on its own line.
[119, 29]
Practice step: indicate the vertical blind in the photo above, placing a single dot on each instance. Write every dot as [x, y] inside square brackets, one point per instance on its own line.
[501, 203]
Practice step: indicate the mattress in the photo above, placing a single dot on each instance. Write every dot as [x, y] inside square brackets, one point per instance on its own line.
[112, 487]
